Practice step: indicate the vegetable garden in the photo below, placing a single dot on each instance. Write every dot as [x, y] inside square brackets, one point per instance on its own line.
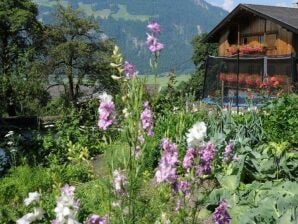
[154, 158]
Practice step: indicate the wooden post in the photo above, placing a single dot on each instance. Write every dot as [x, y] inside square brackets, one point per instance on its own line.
[222, 93]
[205, 75]
[238, 68]
[265, 30]
[238, 38]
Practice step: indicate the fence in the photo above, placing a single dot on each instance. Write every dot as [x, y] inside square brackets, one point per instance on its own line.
[245, 79]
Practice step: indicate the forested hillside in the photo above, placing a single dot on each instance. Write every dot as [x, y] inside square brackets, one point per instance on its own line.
[125, 21]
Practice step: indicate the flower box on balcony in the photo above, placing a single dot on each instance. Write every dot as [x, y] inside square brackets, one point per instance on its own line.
[247, 49]
[222, 76]
[253, 80]
[231, 77]
[283, 79]
[242, 78]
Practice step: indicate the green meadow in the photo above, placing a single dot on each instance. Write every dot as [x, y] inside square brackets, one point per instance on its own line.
[163, 80]
[122, 13]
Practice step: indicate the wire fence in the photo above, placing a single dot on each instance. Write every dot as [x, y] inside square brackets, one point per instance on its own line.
[241, 80]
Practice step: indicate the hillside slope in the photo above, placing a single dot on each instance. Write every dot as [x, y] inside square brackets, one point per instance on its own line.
[126, 20]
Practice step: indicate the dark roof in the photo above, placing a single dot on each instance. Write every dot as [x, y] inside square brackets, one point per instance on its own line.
[284, 16]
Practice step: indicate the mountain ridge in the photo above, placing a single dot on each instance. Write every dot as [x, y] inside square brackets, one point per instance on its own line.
[125, 21]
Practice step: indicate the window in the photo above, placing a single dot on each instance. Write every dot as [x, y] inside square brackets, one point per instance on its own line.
[233, 35]
[261, 39]
[244, 41]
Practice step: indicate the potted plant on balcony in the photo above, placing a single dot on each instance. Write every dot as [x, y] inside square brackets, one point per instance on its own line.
[273, 82]
[258, 80]
[245, 49]
[242, 77]
[231, 77]
[222, 76]
[250, 80]
[232, 50]
[283, 79]
[258, 49]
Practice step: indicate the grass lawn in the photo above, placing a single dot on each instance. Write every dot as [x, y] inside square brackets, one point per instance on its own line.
[150, 79]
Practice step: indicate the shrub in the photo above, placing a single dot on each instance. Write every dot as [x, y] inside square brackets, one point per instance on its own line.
[280, 119]
[16, 185]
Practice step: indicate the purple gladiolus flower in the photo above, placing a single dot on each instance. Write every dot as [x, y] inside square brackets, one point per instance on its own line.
[170, 151]
[129, 70]
[106, 111]
[68, 190]
[221, 215]
[166, 171]
[153, 45]
[208, 152]
[178, 205]
[228, 153]
[156, 46]
[67, 206]
[199, 170]
[189, 157]
[150, 39]
[95, 219]
[154, 27]
[119, 181]
[207, 156]
[184, 187]
[147, 119]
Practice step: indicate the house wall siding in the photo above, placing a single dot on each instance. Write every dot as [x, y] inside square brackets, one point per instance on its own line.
[277, 39]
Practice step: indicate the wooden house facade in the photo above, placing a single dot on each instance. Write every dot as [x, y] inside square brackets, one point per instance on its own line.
[257, 50]
[267, 30]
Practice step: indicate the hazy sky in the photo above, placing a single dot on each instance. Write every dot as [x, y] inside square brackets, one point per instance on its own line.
[231, 4]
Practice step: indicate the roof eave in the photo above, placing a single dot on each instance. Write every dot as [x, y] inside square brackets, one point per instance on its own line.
[210, 36]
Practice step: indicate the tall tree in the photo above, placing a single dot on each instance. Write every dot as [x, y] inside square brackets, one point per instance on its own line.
[78, 50]
[201, 51]
[19, 29]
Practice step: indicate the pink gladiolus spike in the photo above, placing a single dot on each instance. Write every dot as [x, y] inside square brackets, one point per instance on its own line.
[156, 46]
[150, 39]
[154, 27]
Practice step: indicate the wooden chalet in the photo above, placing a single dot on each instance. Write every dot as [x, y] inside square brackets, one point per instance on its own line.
[257, 48]
[274, 29]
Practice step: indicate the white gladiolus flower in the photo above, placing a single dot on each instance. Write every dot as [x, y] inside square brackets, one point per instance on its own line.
[119, 180]
[37, 214]
[195, 136]
[33, 196]
[10, 133]
[67, 206]
[104, 97]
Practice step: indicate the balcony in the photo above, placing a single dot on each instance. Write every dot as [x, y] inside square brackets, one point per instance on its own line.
[252, 78]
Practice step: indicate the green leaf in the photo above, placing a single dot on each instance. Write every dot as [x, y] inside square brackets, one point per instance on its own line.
[238, 215]
[229, 182]
[204, 213]
[286, 218]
